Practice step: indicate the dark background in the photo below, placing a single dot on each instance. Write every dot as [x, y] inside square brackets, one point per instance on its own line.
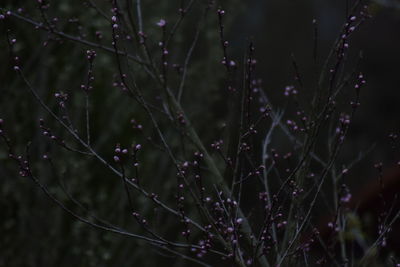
[35, 232]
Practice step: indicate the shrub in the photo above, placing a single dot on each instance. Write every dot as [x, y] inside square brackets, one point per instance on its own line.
[147, 125]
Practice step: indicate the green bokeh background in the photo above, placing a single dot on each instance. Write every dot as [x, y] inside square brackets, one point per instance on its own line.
[35, 232]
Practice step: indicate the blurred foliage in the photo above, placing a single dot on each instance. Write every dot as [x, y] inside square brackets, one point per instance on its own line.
[35, 232]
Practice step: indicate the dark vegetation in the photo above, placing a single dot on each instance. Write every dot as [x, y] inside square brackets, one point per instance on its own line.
[182, 133]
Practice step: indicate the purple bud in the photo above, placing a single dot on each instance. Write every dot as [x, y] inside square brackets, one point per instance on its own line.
[161, 23]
